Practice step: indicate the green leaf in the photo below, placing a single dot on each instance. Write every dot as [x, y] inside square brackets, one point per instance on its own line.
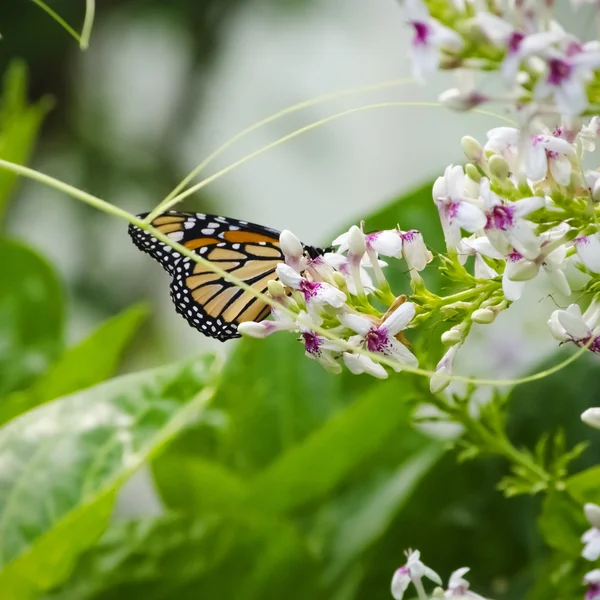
[19, 125]
[31, 316]
[90, 362]
[313, 468]
[195, 485]
[585, 486]
[562, 522]
[369, 519]
[63, 462]
[270, 398]
[244, 556]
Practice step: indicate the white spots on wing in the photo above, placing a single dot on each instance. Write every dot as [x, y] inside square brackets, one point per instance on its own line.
[203, 249]
[176, 236]
[233, 227]
[214, 225]
[189, 223]
[208, 231]
[235, 246]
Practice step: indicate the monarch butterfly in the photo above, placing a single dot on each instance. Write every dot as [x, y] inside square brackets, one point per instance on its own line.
[251, 252]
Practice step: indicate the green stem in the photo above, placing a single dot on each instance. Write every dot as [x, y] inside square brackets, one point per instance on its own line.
[57, 18]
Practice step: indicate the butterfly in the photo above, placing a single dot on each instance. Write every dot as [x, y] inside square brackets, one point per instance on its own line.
[212, 305]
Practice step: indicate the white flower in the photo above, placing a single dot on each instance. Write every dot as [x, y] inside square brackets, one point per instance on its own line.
[322, 350]
[505, 226]
[589, 134]
[316, 294]
[548, 151]
[592, 180]
[591, 538]
[358, 363]
[480, 247]
[592, 580]
[414, 249]
[293, 250]
[456, 210]
[458, 587]
[591, 417]
[567, 76]
[381, 339]
[571, 326]
[342, 265]
[282, 321]
[518, 46]
[439, 380]
[414, 570]
[386, 243]
[588, 250]
[430, 36]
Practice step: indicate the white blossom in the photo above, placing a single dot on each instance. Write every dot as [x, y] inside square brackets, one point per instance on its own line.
[413, 571]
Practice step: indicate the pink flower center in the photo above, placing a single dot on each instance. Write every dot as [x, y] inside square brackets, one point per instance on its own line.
[377, 340]
[593, 591]
[409, 236]
[559, 71]
[593, 347]
[422, 32]
[584, 240]
[500, 217]
[309, 288]
[312, 342]
[452, 209]
[551, 154]
[514, 41]
[514, 256]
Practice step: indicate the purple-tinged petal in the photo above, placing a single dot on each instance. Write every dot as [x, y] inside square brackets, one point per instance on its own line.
[469, 217]
[415, 251]
[289, 276]
[588, 250]
[386, 243]
[536, 162]
[524, 240]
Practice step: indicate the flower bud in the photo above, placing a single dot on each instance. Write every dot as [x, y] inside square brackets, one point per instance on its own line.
[458, 100]
[472, 148]
[499, 167]
[290, 245]
[592, 514]
[252, 329]
[473, 172]
[276, 288]
[524, 270]
[356, 241]
[339, 280]
[452, 336]
[484, 316]
[591, 417]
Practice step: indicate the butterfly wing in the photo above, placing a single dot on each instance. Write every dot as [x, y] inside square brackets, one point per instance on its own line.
[210, 304]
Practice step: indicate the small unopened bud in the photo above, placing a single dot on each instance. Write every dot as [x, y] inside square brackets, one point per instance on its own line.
[356, 241]
[499, 167]
[252, 329]
[451, 337]
[592, 514]
[484, 316]
[339, 280]
[458, 100]
[524, 271]
[290, 244]
[472, 148]
[473, 172]
[276, 288]
[591, 417]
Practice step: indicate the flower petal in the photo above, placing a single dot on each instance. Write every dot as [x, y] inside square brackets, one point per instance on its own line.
[561, 169]
[387, 243]
[512, 289]
[359, 324]
[401, 354]
[358, 363]
[289, 276]
[469, 217]
[399, 319]
[527, 205]
[575, 327]
[588, 250]
[524, 240]
[400, 583]
[536, 162]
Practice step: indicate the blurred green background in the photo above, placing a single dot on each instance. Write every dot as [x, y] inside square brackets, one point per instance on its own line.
[292, 483]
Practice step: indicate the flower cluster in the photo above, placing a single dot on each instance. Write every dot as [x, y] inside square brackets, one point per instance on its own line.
[414, 571]
[541, 65]
[591, 550]
[343, 292]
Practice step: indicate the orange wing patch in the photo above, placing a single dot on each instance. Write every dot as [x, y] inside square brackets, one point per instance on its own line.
[199, 242]
[167, 220]
[247, 237]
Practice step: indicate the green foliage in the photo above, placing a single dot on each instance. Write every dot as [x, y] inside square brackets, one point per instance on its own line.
[63, 462]
[90, 362]
[31, 316]
[219, 555]
[19, 125]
